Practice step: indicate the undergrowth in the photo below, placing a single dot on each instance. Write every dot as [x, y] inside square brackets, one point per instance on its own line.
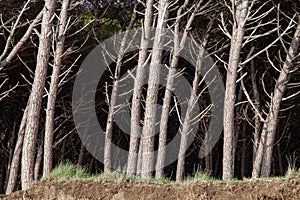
[68, 170]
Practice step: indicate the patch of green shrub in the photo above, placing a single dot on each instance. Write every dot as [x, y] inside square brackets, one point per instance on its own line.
[68, 170]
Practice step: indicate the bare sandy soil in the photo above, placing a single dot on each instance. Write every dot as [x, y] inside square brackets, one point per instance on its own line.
[122, 189]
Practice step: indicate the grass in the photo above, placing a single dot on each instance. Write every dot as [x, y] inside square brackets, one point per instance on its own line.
[68, 171]
[199, 176]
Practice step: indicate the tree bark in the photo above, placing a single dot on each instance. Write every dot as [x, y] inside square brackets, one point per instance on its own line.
[279, 90]
[38, 162]
[15, 163]
[187, 120]
[191, 103]
[262, 164]
[159, 173]
[11, 146]
[114, 95]
[50, 112]
[240, 13]
[153, 85]
[135, 128]
[280, 163]
[244, 150]
[35, 99]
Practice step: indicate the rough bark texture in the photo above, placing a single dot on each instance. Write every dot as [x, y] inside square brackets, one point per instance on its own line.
[135, 128]
[114, 96]
[38, 162]
[11, 152]
[279, 91]
[153, 84]
[15, 163]
[234, 58]
[35, 99]
[161, 156]
[187, 119]
[262, 164]
[50, 112]
[22, 41]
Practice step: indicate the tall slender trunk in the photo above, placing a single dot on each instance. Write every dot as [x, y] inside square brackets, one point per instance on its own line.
[113, 99]
[15, 163]
[11, 145]
[262, 164]
[240, 13]
[280, 163]
[188, 117]
[190, 107]
[244, 150]
[50, 112]
[279, 90]
[159, 173]
[35, 99]
[152, 92]
[257, 105]
[135, 129]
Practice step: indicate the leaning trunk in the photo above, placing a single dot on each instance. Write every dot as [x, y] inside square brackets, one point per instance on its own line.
[35, 99]
[53, 89]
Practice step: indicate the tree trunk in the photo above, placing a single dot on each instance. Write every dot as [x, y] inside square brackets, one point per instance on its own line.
[187, 120]
[135, 128]
[257, 105]
[15, 163]
[113, 99]
[262, 164]
[280, 163]
[244, 150]
[11, 148]
[279, 90]
[234, 57]
[38, 162]
[50, 112]
[152, 92]
[2, 177]
[170, 86]
[189, 112]
[35, 99]
[81, 155]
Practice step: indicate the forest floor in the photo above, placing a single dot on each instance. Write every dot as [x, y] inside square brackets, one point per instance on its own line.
[275, 188]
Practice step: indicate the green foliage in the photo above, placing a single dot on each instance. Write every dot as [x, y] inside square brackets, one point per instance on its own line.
[107, 22]
[292, 172]
[68, 170]
[137, 23]
[199, 176]
[87, 18]
[107, 28]
[112, 175]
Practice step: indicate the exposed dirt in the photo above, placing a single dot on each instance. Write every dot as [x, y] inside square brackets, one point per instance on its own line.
[82, 189]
